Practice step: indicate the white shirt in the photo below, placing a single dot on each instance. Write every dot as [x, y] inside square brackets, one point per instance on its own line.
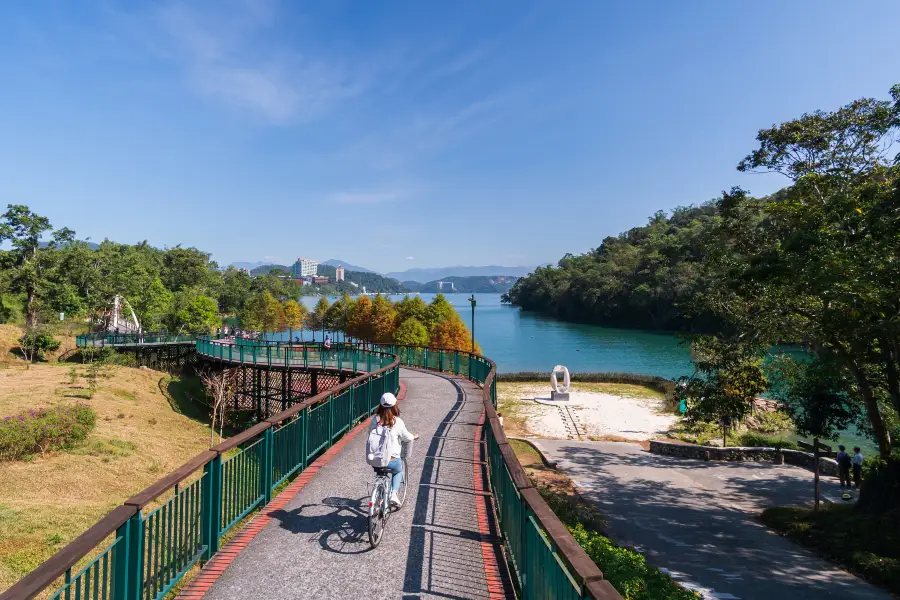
[398, 433]
[858, 458]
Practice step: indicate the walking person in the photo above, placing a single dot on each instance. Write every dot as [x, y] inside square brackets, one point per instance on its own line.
[858, 459]
[844, 461]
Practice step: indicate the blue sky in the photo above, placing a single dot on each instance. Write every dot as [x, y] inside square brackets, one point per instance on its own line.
[408, 134]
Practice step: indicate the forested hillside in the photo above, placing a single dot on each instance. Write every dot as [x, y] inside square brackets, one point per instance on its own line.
[495, 284]
[642, 278]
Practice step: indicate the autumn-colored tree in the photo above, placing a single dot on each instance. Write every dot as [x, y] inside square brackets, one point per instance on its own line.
[438, 310]
[294, 316]
[360, 319]
[452, 334]
[384, 320]
[263, 313]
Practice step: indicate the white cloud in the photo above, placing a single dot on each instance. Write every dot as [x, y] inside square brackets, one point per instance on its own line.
[224, 57]
[410, 258]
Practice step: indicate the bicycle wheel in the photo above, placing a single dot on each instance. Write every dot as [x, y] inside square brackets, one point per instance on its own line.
[376, 513]
[401, 493]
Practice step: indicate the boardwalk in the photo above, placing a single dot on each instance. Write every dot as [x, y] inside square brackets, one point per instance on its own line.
[435, 547]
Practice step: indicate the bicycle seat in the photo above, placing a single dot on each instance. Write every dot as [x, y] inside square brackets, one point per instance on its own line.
[383, 471]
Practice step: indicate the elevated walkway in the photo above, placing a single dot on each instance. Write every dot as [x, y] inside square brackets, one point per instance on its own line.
[442, 544]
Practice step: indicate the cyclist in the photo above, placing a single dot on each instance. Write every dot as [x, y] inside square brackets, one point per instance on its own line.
[388, 415]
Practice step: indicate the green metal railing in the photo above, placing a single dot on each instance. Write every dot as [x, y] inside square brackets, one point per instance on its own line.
[546, 561]
[148, 544]
[339, 357]
[148, 550]
[101, 339]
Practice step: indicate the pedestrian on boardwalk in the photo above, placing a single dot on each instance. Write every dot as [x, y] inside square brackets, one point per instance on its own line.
[844, 461]
[858, 459]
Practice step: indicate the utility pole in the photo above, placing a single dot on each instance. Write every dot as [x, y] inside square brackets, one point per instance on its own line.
[472, 300]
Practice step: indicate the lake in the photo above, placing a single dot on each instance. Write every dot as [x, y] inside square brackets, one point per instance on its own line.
[523, 341]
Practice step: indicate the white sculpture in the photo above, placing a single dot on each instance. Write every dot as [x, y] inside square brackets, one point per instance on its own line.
[560, 392]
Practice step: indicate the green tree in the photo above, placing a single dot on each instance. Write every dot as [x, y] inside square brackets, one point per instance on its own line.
[236, 286]
[29, 262]
[728, 379]
[318, 317]
[153, 305]
[411, 332]
[189, 268]
[194, 313]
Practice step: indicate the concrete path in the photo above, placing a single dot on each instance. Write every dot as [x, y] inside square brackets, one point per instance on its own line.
[318, 546]
[696, 519]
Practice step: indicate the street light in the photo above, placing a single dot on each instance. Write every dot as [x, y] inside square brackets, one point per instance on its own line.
[472, 300]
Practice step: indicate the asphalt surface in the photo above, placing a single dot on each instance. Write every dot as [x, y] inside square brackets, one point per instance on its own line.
[696, 519]
[318, 546]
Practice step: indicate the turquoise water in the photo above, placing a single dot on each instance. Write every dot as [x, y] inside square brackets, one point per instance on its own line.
[522, 341]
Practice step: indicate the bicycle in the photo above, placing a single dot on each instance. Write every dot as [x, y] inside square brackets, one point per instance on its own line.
[380, 500]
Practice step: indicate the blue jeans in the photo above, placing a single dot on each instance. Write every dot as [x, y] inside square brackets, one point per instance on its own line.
[396, 467]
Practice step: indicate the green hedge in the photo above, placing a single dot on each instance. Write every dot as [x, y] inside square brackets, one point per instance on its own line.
[40, 430]
[659, 384]
[758, 440]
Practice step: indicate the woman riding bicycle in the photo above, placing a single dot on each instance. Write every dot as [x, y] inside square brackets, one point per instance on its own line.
[388, 415]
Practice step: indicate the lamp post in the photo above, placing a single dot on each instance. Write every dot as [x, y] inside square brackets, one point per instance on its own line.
[472, 301]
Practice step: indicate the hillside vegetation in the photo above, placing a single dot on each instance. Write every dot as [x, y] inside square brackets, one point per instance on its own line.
[46, 502]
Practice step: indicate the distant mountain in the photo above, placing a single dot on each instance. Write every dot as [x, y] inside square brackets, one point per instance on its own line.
[428, 275]
[334, 262]
[250, 265]
[373, 282]
[496, 284]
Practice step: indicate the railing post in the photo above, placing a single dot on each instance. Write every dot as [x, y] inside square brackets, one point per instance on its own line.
[330, 420]
[211, 506]
[304, 438]
[456, 362]
[441, 361]
[127, 560]
[268, 450]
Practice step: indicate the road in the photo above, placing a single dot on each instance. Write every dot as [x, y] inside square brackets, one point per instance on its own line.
[696, 519]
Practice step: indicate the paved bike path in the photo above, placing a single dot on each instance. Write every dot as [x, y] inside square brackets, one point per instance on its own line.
[318, 546]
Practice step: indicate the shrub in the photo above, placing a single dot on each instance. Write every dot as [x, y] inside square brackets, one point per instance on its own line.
[660, 384]
[758, 440]
[627, 570]
[35, 344]
[773, 421]
[40, 430]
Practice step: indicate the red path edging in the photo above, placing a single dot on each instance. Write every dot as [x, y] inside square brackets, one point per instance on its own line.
[197, 587]
[497, 576]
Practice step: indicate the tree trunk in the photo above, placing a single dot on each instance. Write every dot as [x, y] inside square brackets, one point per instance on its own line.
[890, 355]
[882, 436]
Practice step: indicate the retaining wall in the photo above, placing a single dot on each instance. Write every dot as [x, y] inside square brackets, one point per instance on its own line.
[827, 466]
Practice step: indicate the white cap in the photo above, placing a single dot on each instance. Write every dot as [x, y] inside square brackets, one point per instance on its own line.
[388, 400]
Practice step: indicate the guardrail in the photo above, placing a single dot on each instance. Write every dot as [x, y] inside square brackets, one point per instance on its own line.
[546, 559]
[305, 356]
[152, 540]
[156, 536]
[99, 340]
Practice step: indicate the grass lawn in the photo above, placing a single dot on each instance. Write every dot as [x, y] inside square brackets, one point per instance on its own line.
[46, 502]
[868, 545]
[625, 569]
